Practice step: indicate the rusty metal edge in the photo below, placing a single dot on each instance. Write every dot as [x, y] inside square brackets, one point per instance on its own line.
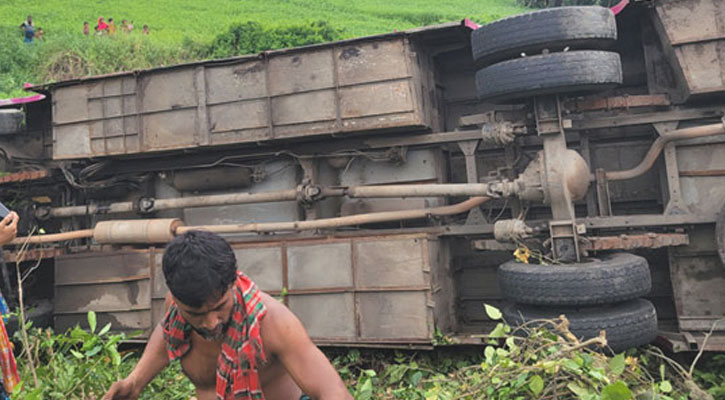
[463, 25]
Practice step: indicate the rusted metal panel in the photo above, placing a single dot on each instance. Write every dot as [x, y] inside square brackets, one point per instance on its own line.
[395, 316]
[695, 30]
[629, 242]
[390, 263]
[368, 85]
[704, 193]
[124, 321]
[698, 281]
[115, 285]
[320, 266]
[25, 176]
[580, 104]
[364, 289]
[263, 264]
[326, 315]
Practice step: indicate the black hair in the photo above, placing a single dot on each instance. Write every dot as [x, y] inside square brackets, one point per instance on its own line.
[199, 266]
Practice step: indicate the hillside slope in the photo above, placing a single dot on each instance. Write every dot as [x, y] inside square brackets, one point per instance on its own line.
[188, 30]
[172, 20]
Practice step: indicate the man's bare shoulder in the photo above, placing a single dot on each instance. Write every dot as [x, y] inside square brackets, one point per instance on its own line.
[280, 326]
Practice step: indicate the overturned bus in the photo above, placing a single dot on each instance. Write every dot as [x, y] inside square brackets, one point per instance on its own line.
[564, 161]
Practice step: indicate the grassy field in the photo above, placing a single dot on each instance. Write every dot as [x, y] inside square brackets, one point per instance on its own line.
[186, 30]
[173, 20]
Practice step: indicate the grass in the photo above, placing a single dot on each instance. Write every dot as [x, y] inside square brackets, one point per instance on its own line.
[174, 20]
[185, 30]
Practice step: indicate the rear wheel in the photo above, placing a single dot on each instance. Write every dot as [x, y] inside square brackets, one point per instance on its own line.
[610, 279]
[629, 324]
[581, 28]
[574, 72]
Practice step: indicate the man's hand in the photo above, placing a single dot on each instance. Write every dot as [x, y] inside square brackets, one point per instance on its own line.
[124, 389]
[9, 227]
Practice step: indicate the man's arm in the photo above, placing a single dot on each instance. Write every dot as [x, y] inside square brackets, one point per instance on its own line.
[153, 360]
[286, 338]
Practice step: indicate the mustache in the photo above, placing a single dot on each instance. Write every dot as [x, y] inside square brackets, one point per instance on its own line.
[211, 334]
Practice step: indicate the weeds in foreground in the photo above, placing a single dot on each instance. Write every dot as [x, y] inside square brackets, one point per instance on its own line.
[549, 363]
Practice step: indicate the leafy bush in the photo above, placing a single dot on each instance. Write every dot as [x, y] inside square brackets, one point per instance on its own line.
[711, 374]
[82, 364]
[548, 363]
[544, 363]
[251, 37]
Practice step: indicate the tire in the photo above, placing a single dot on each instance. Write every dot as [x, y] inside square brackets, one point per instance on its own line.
[41, 313]
[627, 325]
[610, 279]
[573, 72]
[580, 28]
[10, 121]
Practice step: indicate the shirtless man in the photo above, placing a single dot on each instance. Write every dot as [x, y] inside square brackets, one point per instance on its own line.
[233, 340]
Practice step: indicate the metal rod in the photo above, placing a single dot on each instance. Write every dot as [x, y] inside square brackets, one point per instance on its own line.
[56, 237]
[422, 190]
[425, 190]
[361, 219]
[180, 202]
[659, 144]
[386, 216]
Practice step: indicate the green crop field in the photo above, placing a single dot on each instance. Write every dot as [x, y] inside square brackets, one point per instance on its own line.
[173, 20]
[187, 30]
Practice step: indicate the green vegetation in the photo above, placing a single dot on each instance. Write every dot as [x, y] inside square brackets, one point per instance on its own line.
[547, 363]
[187, 30]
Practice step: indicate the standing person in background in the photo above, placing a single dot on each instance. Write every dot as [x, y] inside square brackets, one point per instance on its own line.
[111, 27]
[145, 30]
[124, 26]
[86, 30]
[130, 27]
[28, 28]
[10, 378]
[102, 26]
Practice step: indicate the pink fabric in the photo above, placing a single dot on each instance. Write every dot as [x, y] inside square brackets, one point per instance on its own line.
[102, 26]
[21, 100]
[470, 24]
[619, 7]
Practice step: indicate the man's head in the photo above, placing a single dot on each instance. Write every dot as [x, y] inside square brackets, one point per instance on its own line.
[30, 18]
[200, 269]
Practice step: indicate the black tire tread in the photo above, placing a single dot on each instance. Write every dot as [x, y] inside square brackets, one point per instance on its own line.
[568, 72]
[613, 278]
[629, 324]
[578, 27]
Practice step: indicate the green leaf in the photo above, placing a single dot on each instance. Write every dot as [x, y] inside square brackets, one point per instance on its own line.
[489, 352]
[92, 352]
[76, 354]
[115, 357]
[616, 391]
[577, 390]
[616, 364]
[92, 321]
[415, 379]
[598, 374]
[536, 384]
[492, 312]
[571, 365]
[105, 329]
[665, 386]
[498, 331]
